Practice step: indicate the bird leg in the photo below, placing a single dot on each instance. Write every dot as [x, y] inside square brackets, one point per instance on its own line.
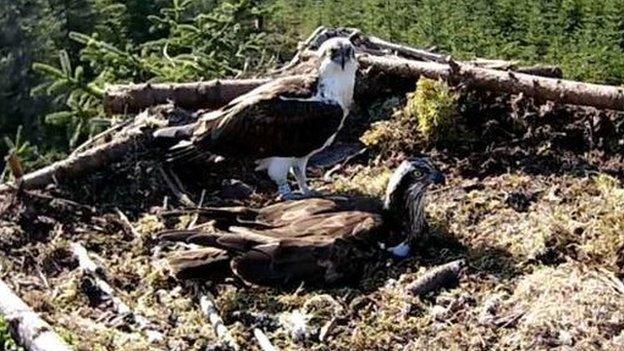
[299, 171]
[278, 171]
[284, 192]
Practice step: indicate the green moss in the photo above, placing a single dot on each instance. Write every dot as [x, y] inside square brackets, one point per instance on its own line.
[430, 116]
[434, 106]
[6, 341]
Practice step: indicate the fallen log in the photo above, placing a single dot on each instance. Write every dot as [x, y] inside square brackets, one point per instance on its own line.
[84, 162]
[397, 70]
[210, 94]
[29, 329]
[390, 74]
[549, 71]
[437, 278]
[135, 138]
[121, 99]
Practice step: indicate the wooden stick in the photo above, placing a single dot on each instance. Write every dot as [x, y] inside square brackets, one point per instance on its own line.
[436, 278]
[209, 309]
[88, 266]
[28, 328]
[302, 47]
[402, 50]
[180, 195]
[87, 144]
[263, 340]
[84, 162]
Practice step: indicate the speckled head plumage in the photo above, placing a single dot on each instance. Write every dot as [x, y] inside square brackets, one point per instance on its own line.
[404, 199]
[339, 51]
[411, 174]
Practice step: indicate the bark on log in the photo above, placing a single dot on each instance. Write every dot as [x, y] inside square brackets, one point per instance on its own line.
[541, 88]
[393, 75]
[84, 162]
[209, 309]
[211, 94]
[437, 278]
[30, 330]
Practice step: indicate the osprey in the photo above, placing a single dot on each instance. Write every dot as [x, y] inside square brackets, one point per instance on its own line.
[280, 124]
[315, 240]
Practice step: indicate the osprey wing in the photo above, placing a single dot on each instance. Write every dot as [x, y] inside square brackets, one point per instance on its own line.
[281, 118]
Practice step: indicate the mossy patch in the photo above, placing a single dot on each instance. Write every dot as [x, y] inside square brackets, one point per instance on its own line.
[6, 341]
[429, 117]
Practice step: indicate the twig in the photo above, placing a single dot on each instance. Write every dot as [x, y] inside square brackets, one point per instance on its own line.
[436, 278]
[99, 136]
[29, 329]
[60, 200]
[126, 222]
[208, 308]
[403, 50]
[303, 46]
[193, 222]
[89, 267]
[183, 198]
[263, 340]
[15, 165]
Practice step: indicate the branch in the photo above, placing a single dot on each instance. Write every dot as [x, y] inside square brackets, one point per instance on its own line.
[392, 70]
[402, 50]
[90, 268]
[436, 278]
[121, 99]
[209, 309]
[85, 162]
[30, 330]
[263, 340]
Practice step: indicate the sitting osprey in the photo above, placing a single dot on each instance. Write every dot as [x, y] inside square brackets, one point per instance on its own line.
[314, 240]
[282, 123]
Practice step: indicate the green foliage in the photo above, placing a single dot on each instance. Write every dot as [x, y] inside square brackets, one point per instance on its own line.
[194, 46]
[27, 153]
[28, 31]
[82, 98]
[584, 37]
[6, 342]
[430, 116]
[434, 105]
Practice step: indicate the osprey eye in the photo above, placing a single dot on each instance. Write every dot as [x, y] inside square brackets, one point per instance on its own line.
[417, 174]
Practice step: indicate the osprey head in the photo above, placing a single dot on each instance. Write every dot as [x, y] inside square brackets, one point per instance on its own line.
[338, 51]
[404, 200]
[413, 176]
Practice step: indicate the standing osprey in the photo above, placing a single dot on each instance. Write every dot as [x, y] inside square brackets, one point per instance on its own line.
[283, 123]
[314, 240]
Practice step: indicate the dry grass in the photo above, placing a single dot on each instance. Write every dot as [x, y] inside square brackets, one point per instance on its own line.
[541, 252]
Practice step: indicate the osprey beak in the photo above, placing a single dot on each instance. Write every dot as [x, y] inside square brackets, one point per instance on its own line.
[438, 178]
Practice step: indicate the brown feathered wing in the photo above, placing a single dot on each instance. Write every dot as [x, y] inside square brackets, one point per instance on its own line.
[312, 240]
[276, 119]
